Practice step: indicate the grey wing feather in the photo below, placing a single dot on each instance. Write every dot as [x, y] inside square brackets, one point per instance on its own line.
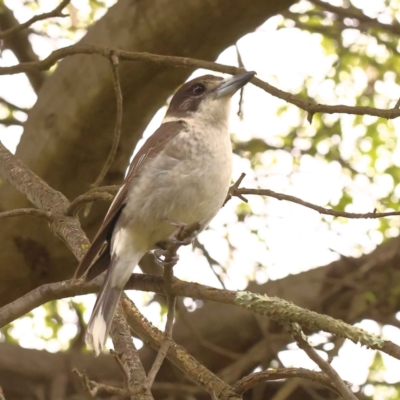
[97, 250]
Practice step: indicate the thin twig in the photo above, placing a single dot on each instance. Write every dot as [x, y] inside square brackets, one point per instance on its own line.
[118, 122]
[86, 198]
[158, 386]
[121, 366]
[353, 12]
[34, 212]
[302, 342]
[114, 60]
[57, 12]
[241, 65]
[94, 194]
[11, 121]
[12, 106]
[256, 378]
[305, 104]
[162, 352]
[211, 261]
[234, 188]
[321, 210]
[183, 316]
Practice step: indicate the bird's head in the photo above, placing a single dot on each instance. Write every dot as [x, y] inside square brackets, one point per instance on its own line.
[207, 97]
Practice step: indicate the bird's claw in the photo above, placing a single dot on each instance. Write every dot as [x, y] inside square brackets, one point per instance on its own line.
[174, 238]
[164, 259]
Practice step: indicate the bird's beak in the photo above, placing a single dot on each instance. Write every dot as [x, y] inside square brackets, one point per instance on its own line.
[231, 85]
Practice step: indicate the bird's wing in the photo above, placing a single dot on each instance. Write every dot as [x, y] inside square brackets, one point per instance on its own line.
[101, 243]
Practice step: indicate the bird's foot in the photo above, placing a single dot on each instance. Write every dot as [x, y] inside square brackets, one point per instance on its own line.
[185, 234]
[164, 258]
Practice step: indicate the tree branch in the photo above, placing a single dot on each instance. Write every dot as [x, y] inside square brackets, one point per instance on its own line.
[286, 312]
[302, 342]
[256, 378]
[273, 307]
[114, 60]
[12, 107]
[67, 228]
[167, 341]
[305, 104]
[20, 45]
[321, 210]
[126, 350]
[164, 387]
[353, 12]
[57, 12]
[27, 211]
[177, 355]
[11, 121]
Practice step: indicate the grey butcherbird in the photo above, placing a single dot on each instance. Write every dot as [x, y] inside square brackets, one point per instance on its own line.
[182, 173]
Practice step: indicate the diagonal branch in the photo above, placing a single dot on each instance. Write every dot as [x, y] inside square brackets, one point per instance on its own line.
[20, 45]
[353, 12]
[302, 342]
[126, 350]
[57, 12]
[167, 341]
[11, 121]
[67, 228]
[256, 378]
[118, 123]
[12, 106]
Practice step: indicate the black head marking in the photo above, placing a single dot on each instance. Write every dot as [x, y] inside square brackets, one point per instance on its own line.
[190, 95]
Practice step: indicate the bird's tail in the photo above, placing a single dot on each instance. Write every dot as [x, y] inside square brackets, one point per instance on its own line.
[103, 312]
[101, 319]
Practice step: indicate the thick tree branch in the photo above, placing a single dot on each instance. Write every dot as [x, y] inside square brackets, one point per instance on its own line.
[57, 12]
[273, 307]
[305, 104]
[127, 353]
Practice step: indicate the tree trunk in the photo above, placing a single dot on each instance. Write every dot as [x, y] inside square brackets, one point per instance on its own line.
[69, 130]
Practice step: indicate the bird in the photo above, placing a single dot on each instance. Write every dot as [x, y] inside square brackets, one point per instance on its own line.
[182, 173]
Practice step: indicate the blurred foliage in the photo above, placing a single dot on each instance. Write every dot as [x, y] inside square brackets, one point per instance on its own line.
[366, 59]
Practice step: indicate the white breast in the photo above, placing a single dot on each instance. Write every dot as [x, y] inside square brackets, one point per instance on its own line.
[187, 182]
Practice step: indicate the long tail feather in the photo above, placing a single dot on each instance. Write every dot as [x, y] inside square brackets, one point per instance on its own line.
[102, 316]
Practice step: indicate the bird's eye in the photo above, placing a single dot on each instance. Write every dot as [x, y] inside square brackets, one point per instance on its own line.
[198, 89]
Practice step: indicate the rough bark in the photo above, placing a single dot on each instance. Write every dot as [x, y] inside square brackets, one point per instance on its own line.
[69, 130]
